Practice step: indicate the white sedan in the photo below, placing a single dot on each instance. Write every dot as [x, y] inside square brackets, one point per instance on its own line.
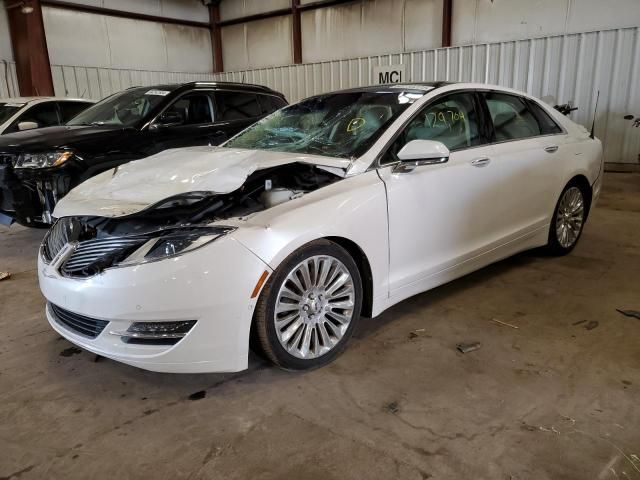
[339, 206]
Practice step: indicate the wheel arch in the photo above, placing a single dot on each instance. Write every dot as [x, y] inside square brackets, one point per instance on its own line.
[582, 182]
[358, 255]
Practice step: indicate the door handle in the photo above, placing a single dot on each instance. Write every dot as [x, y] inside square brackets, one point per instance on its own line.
[551, 149]
[481, 162]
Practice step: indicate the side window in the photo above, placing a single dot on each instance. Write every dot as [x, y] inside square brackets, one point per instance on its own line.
[548, 126]
[195, 108]
[452, 120]
[71, 109]
[237, 106]
[270, 103]
[44, 114]
[512, 119]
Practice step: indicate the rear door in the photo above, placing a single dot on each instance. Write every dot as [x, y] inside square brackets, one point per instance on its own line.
[527, 144]
[236, 110]
[187, 121]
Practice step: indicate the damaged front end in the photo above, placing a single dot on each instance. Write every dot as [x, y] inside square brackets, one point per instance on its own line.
[84, 246]
[31, 185]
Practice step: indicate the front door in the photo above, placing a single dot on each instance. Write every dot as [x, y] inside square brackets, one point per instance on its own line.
[439, 214]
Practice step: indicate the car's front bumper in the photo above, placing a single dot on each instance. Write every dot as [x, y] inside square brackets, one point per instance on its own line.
[211, 285]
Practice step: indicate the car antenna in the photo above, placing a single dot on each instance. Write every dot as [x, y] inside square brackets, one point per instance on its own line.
[595, 112]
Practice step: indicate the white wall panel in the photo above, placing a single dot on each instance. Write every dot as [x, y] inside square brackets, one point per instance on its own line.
[8, 80]
[370, 27]
[585, 15]
[6, 53]
[479, 21]
[69, 46]
[422, 24]
[192, 10]
[569, 67]
[230, 9]
[135, 44]
[91, 40]
[257, 44]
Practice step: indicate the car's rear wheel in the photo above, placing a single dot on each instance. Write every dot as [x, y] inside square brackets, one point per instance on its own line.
[568, 220]
[309, 307]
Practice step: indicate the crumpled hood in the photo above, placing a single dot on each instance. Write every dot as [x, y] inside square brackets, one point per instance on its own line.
[134, 186]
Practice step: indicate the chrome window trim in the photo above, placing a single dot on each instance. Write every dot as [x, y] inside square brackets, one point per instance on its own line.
[376, 164]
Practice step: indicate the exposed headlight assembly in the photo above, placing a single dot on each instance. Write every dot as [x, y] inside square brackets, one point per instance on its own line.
[43, 160]
[173, 243]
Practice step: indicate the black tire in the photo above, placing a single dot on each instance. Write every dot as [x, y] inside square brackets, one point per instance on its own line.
[558, 246]
[264, 318]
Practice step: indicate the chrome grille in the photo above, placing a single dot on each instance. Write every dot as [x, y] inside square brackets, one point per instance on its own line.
[98, 251]
[86, 326]
[64, 231]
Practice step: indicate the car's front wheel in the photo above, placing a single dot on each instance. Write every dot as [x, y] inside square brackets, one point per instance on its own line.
[309, 307]
[568, 220]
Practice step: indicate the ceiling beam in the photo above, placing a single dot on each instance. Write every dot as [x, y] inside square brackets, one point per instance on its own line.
[284, 11]
[119, 13]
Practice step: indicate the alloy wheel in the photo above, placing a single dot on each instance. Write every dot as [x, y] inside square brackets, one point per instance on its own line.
[570, 217]
[314, 307]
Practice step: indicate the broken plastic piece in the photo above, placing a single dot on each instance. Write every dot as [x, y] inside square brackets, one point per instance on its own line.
[468, 347]
[626, 313]
[504, 323]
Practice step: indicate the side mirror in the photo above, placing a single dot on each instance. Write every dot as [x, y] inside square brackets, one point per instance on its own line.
[169, 119]
[421, 152]
[27, 126]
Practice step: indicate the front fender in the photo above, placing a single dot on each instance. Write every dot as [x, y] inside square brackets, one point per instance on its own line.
[354, 208]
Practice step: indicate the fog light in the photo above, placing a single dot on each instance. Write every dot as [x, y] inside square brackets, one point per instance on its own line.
[156, 333]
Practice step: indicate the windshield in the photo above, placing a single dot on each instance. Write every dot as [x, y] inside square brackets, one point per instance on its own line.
[7, 110]
[123, 109]
[338, 125]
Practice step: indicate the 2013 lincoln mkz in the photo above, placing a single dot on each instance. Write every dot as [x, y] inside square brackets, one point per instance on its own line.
[331, 209]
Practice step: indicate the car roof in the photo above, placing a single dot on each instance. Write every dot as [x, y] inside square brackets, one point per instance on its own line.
[394, 87]
[43, 99]
[250, 87]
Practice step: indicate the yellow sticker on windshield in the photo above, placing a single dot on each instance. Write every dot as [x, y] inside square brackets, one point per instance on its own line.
[356, 124]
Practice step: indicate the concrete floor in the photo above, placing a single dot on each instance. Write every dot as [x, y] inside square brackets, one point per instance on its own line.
[556, 398]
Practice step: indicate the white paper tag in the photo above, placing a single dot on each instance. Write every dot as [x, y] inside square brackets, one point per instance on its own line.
[161, 93]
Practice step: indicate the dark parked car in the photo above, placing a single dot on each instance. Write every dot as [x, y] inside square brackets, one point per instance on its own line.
[39, 167]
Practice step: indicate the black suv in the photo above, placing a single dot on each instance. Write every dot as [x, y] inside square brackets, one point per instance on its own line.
[39, 167]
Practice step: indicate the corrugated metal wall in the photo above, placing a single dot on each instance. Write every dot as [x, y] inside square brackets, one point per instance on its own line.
[569, 67]
[8, 80]
[97, 83]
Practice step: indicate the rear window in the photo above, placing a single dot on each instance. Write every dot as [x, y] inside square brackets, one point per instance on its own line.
[548, 126]
[237, 106]
[270, 103]
[512, 119]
